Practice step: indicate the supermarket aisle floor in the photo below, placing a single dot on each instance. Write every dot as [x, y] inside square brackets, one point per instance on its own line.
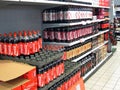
[108, 76]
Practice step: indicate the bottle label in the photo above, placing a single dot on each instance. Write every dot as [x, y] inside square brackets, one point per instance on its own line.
[10, 53]
[30, 47]
[52, 35]
[21, 48]
[71, 35]
[40, 80]
[68, 36]
[15, 50]
[63, 35]
[5, 49]
[36, 46]
[45, 34]
[47, 80]
[26, 49]
[60, 15]
[58, 35]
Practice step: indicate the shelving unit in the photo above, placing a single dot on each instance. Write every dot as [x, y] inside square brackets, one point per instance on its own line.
[48, 4]
[78, 41]
[79, 58]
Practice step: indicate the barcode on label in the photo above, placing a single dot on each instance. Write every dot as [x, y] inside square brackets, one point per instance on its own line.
[78, 87]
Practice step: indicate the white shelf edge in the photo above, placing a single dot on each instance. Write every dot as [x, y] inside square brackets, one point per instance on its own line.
[48, 25]
[53, 3]
[78, 41]
[79, 58]
[97, 66]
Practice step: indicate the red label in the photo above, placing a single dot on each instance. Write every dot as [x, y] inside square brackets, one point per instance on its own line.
[15, 50]
[41, 80]
[26, 49]
[5, 49]
[47, 80]
[10, 53]
[36, 46]
[21, 48]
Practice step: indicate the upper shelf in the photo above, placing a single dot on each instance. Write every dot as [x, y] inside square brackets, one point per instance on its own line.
[45, 2]
[50, 25]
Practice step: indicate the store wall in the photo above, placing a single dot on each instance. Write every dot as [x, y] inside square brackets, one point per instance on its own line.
[19, 17]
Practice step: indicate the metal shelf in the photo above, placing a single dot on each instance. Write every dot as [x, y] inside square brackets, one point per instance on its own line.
[84, 55]
[45, 2]
[78, 41]
[97, 66]
[50, 25]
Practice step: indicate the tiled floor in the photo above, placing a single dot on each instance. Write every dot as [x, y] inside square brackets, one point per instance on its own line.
[108, 76]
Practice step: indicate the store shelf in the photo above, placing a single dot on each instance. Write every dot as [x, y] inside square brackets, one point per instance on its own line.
[97, 66]
[78, 41]
[46, 2]
[84, 55]
[50, 25]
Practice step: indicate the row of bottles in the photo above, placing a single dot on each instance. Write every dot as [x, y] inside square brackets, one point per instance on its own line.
[67, 14]
[87, 63]
[67, 34]
[67, 81]
[20, 43]
[104, 25]
[78, 49]
[50, 72]
[101, 13]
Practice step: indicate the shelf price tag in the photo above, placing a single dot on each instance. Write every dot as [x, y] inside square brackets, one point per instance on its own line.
[82, 40]
[83, 23]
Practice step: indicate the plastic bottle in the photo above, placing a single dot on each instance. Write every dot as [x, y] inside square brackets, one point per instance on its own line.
[15, 45]
[35, 42]
[30, 43]
[21, 49]
[9, 41]
[26, 44]
[5, 44]
[39, 40]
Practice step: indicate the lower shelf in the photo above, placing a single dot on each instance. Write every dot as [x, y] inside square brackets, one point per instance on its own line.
[96, 67]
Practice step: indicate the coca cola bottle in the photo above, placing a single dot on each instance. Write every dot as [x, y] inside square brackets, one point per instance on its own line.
[15, 45]
[5, 44]
[35, 42]
[39, 40]
[21, 43]
[26, 44]
[31, 39]
[9, 41]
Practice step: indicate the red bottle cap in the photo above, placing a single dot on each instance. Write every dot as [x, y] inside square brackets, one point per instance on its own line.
[25, 34]
[5, 34]
[15, 34]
